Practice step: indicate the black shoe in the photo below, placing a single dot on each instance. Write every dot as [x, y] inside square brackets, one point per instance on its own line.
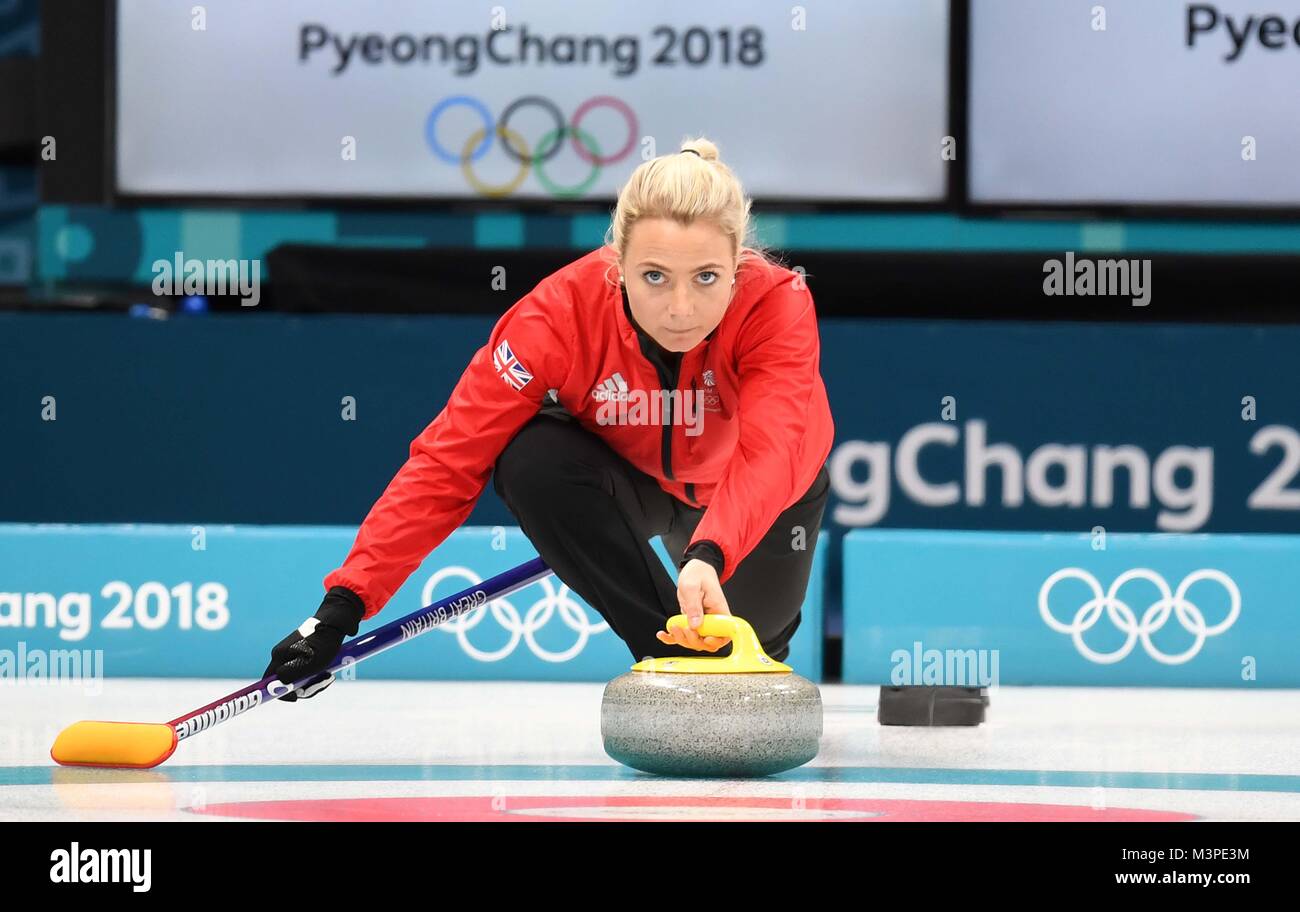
[928, 705]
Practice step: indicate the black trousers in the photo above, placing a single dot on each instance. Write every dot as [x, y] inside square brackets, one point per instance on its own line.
[591, 515]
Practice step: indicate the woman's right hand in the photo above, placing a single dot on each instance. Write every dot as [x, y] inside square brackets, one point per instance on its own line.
[698, 593]
[315, 645]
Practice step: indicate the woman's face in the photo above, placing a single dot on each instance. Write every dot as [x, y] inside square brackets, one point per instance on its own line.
[678, 279]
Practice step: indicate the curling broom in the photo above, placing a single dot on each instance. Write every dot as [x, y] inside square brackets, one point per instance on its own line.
[141, 745]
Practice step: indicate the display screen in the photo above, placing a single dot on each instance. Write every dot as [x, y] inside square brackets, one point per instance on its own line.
[1142, 102]
[544, 100]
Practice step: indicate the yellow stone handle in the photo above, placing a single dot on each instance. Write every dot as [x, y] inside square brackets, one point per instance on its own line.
[745, 647]
[747, 655]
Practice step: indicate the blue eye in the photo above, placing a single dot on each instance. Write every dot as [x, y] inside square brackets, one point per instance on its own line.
[652, 272]
[709, 273]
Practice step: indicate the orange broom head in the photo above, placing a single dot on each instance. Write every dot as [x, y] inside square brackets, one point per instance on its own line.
[134, 745]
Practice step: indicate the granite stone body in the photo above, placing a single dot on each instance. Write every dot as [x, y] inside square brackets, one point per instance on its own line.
[711, 725]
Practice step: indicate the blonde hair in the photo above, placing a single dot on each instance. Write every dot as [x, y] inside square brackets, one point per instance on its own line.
[685, 187]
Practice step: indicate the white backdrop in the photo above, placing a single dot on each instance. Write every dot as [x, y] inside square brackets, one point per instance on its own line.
[1061, 112]
[260, 100]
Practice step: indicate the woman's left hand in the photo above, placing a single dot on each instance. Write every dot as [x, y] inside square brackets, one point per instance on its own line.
[698, 593]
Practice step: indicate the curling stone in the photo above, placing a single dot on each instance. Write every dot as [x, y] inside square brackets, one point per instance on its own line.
[743, 714]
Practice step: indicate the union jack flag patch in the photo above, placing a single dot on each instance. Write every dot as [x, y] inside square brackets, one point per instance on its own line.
[508, 366]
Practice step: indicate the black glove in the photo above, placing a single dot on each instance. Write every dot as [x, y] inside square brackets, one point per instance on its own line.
[314, 646]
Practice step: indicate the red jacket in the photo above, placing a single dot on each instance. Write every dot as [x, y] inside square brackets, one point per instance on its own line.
[763, 433]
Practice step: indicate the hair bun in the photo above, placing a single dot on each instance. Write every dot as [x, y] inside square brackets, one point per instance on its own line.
[701, 147]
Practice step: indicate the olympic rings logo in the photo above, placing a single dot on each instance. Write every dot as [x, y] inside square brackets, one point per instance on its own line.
[505, 614]
[1153, 619]
[480, 141]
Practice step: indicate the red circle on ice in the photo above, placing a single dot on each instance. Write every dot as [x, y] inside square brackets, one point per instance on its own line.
[524, 808]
